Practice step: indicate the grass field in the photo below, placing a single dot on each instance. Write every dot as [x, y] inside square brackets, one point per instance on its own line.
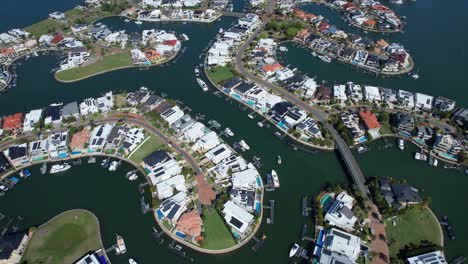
[216, 233]
[64, 239]
[220, 74]
[108, 62]
[150, 145]
[45, 26]
[413, 226]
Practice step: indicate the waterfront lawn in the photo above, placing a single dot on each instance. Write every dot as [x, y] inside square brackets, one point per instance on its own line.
[412, 226]
[45, 26]
[106, 63]
[216, 233]
[64, 239]
[150, 145]
[220, 74]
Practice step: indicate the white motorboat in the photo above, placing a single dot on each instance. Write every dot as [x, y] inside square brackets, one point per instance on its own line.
[244, 145]
[420, 156]
[417, 156]
[113, 166]
[260, 124]
[59, 168]
[132, 261]
[433, 161]
[278, 159]
[121, 248]
[251, 115]
[228, 132]
[401, 144]
[314, 53]
[138, 22]
[127, 20]
[202, 84]
[197, 71]
[185, 37]
[276, 182]
[293, 250]
[325, 58]
[133, 177]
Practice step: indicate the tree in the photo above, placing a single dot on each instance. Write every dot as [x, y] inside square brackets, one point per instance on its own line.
[291, 32]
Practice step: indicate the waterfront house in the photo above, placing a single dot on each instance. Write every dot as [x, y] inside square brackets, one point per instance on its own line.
[58, 145]
[115, 138]
[190, 224]
[217, 154]
[38, 150]
[354, 92]
[229, 165]
[207, 142]
[323, 94]
[460, 116]
[88, 106]
[406, 99]
[434, 257]
[183, 123]
[7, 39]
[424, 133]
[13, 123]
[337, 246]
[447, 146]
[371, 123]
[423, 102]
[160, 166]
[79, 142]
[444, 104]
[166, 188]
[98, 137]
[389, 95]
[105, 103]
[284, 74]
[294, 116]
[194, 132]
[138, 97]
[339, 93]
[56, 39]
[172, 115]
[242, 90]
[139, 57]
[71, 110]
[57, 15]
[237, 217]
[309, 128]
[399, 195]
[172, 208]
[372, 94]
[53, 114]
[4, 164]
[13, 245]
[340, 213]
[133, 138]
[76, 28]
[17, 154]
[244, 185]
[310, 87]
[403, 122]
[355, 129]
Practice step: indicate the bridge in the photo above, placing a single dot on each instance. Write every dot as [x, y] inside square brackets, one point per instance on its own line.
[232, 14]
[343, 149]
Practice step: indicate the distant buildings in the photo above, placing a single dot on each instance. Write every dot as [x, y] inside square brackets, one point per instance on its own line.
[435, 257]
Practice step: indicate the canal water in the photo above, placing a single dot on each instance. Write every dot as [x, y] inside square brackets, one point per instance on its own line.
[116, 201]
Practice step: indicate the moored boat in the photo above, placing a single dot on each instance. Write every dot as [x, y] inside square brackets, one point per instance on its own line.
[401, 144]
[293, 250]
[185, 37]
[121, 248]
[138, 22]
[325, 58]
[132, 261]
[59, 168]
[228, 132]
[260, 124]
[278, 159]
[202, 84]
[276, 182]
[244, 145]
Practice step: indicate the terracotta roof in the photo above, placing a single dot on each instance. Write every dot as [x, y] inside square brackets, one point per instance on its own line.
[272, 67]
[79, 139]
[382, 43]
[206, 194]
[190, 224]
[13, 122]
[7, 51]
[170, 42]
[57, 39]
[369, 119]
[370, 22]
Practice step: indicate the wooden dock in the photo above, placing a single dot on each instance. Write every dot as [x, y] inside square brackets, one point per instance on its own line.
[305, 208]
[258, 242]
[177, 249]
[271, 218]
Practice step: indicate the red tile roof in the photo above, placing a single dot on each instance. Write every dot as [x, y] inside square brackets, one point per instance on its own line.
[190, 224]
[170, 42]
[57, 39]
[272, 67]
[369, 119]
[13, 122]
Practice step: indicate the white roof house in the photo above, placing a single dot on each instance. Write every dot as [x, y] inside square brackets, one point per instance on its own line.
[237, 217]
[272, 100]
[341, 243]
[310, 87]
[233, 163]
[217, 154]
[435, 257]
[172, 208]
[31, 118]
[88, 106]
[133, 137]
[172, 115]
[194, 132]
[207, 142]
[284, 74]
[167, 187]
[340, 213]
[372, 94]
[267, 44]
[99, 137]
[245, 178]
[160, 166]
[339, 93]
[38, 150]
[406, 99]
[58, 145]
[423, 102]
[105, 103]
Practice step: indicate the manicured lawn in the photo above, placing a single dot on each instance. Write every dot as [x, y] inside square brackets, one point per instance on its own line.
[216, 234]
[65, 239]
[107, 62]
[220, 74]
[413, 226]
[150, 145]
[45, 26]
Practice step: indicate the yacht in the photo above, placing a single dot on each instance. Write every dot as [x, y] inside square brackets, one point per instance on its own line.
[413, 75]
[185, 37]
[433, 161]
[401, 144]
[197, 71]
[228, 132]
[244, 145]
[132, 261]
[251, 116]
[121, 248]
[138, 22]
[276, 182]
[113, 166]
[293, 250]
[325, 58]
[260, 124]
[278, 159]
[133, 177]
[59, 168]
[202, 84]
[314, 53]
[420, 156]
